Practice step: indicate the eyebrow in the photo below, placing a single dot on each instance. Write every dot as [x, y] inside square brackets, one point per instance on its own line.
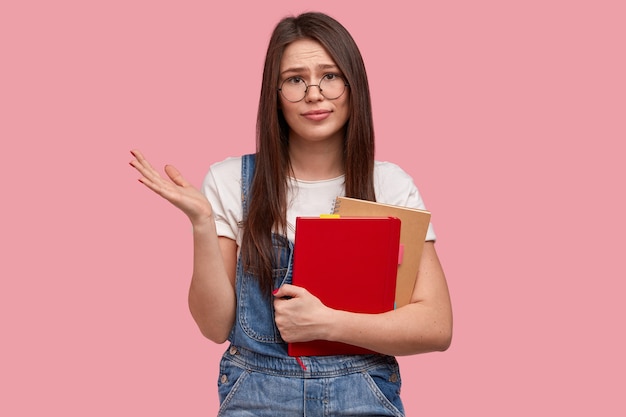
[305, 69]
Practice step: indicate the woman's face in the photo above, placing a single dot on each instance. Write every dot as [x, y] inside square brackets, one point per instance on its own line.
[314, 118]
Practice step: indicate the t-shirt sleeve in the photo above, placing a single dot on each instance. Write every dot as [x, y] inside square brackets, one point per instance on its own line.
[394, 186]
[222, 187]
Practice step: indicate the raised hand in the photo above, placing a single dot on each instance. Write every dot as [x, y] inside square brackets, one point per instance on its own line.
[176, 190]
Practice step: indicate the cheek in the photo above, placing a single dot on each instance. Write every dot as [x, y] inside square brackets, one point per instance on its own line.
[290, 112]
[344, 109]
[288, 115]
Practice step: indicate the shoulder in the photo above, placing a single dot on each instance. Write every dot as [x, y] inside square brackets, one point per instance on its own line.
[385, 169]
[223, 178]
[222, 187]
[228, 167]
[393, 185]
[388, 174]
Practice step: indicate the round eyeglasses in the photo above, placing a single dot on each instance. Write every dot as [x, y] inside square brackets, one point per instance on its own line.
[331, 86]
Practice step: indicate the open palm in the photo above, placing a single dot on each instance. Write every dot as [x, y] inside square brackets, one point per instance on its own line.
[176, 189]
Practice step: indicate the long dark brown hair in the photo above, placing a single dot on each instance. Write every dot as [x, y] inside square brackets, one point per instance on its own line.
[267, 206]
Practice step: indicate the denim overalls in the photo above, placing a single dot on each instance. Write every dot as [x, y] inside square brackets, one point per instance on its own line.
[258, 378]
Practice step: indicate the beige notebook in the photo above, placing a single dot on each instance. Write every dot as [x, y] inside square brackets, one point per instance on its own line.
[412, 235]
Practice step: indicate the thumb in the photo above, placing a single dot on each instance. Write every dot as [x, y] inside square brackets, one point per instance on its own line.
[175, 176]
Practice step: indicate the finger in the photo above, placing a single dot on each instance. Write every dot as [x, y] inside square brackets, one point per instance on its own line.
[136, 153]
[159, 187]
[150, 176]
[176, 176]
[142, 165]
[142, 161]
[288, 290]
[139, 156]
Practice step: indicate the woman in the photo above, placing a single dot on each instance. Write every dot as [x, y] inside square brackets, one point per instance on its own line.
[315, 141]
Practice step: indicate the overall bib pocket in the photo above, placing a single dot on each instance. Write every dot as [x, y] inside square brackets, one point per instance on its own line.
[256, 313]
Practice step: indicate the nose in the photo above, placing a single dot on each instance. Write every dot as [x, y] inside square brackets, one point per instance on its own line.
[313, 94]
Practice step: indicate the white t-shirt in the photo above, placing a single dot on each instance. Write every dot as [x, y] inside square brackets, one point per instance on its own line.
[222, 187]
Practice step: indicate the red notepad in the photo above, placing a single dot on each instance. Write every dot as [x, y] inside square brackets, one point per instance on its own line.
[349, 263]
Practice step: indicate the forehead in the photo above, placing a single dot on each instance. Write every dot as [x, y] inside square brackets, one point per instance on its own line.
[305, 54]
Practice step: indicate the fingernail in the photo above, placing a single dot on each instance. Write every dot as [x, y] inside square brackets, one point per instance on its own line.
[275, 291]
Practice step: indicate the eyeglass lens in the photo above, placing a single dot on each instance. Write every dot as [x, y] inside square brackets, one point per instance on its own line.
[331, 87]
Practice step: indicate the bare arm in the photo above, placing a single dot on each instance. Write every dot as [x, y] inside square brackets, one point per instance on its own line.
[424, 325]
[211, 294]
[212, 291]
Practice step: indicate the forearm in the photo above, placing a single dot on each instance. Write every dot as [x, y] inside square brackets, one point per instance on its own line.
[211, 293]
[424, 325]
[412, 329]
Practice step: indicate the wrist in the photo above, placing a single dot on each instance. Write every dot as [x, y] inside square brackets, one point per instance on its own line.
[203, 225]
[332, 325]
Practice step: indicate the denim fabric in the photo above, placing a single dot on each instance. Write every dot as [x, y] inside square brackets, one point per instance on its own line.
[253, 384]
[255, 328]
[258, 378]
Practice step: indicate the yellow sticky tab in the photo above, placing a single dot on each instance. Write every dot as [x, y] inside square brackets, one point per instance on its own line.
[329, 216]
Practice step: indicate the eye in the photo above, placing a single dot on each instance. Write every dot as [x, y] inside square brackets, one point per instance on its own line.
[331, 77]
[294, 80]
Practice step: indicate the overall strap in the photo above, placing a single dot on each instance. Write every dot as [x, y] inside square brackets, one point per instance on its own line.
[247, 173]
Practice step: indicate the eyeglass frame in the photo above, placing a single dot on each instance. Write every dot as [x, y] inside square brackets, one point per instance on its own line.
[306, 90]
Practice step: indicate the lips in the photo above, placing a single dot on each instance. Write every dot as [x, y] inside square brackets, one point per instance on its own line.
[317, 115]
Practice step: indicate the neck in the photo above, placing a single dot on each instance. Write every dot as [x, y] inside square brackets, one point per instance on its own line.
[313, 161]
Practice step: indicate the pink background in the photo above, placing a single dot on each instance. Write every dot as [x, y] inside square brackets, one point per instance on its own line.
[509, 115]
